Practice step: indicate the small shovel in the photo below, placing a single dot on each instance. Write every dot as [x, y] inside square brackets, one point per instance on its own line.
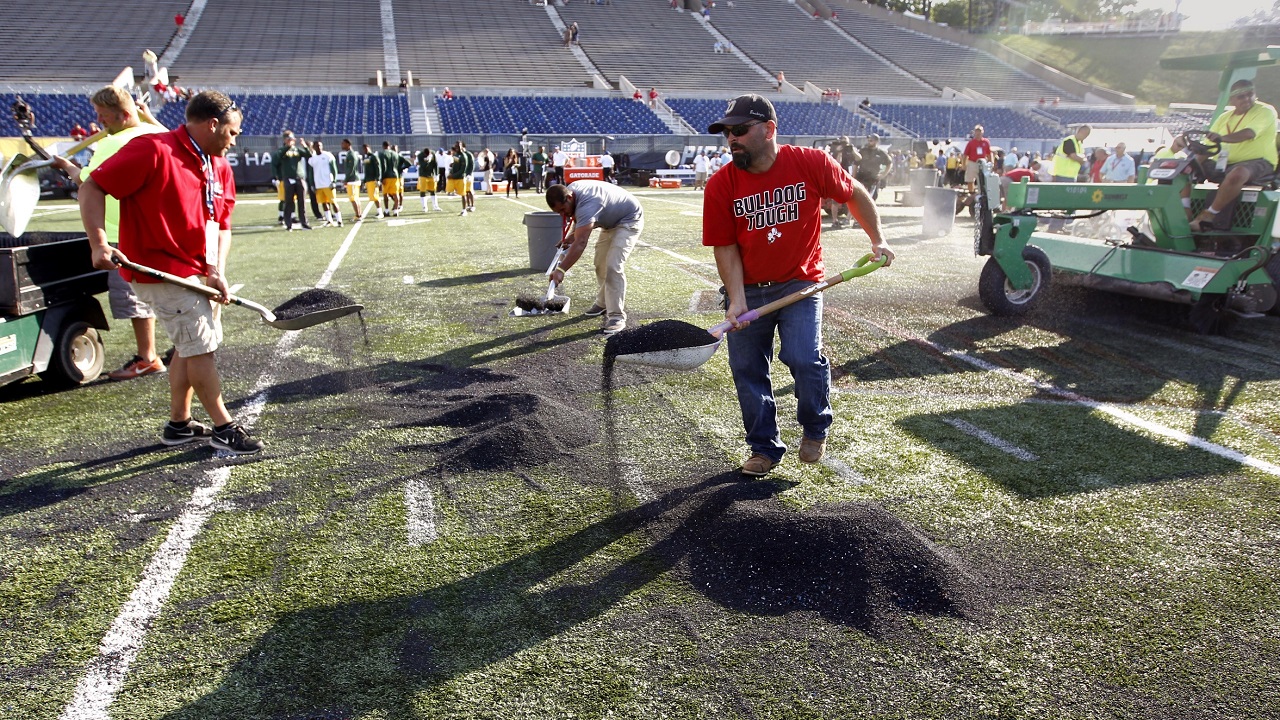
[298, 322]
[688, 358]
[20, 186]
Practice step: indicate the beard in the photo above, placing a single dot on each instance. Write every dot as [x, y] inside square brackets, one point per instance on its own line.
[742, 158]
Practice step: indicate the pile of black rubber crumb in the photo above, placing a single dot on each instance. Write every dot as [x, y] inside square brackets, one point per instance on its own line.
[311, 301]
[511, 431]
[661, 335]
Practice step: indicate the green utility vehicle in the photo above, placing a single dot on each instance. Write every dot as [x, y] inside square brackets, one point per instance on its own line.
[1220, 274]
[49, 317]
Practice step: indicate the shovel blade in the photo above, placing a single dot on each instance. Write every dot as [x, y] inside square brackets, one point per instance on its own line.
[19, 194]
[678, 359]
[315, 318]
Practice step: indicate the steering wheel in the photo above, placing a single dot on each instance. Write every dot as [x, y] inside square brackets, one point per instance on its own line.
[1196, 143]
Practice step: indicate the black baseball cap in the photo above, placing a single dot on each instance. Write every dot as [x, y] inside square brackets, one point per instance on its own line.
[742, 109]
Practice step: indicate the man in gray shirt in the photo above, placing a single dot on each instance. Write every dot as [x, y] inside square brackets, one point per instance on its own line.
[594, 204]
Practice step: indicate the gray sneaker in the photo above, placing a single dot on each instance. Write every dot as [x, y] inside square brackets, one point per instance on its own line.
[593, 311]
[182, 435]
[614, 325]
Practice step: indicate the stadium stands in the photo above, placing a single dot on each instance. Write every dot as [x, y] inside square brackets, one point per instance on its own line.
[806, 50]
[953, 121]
[942, 63]
[794, 118]
[549, 115]
[55, 114]
[655, 46]
[314, 114]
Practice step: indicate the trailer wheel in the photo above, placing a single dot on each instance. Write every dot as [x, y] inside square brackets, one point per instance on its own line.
[1273, 270]
[1003, 299]
[1210, 315]
[78, 357]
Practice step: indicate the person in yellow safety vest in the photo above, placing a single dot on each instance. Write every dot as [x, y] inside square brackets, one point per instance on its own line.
[1069, 156]
[1247, 135]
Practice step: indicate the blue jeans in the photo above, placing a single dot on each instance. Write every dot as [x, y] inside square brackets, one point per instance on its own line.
[799, 326]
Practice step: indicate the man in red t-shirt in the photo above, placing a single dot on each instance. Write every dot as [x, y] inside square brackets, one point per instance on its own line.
[977, 150]
[763, 216]
[176, 194]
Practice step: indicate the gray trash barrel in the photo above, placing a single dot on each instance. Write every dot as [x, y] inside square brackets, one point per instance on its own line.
[939, 211]
[545, 232]
[920, 179]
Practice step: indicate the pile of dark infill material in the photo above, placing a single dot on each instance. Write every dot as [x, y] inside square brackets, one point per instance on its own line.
[510, 431]
[661, 335]
[534, 304]
[312, 301]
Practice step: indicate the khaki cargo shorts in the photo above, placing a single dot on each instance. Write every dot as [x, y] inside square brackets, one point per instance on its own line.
[192, 321]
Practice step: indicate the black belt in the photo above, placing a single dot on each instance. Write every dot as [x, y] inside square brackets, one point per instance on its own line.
[763, 284]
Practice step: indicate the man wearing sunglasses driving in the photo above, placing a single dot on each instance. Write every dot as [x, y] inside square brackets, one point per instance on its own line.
[762, 215]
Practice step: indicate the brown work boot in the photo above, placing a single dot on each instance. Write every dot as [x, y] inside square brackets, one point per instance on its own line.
[757, 465]
[137, 367]
[811, 451]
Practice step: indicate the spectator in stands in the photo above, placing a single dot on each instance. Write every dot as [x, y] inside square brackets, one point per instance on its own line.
[1068, 157]
[447, 94]
[766, 250]
[150, 67]
[428, 168]
[567, 37]
[718, 48]
[573, 33]
[700, 169]
[288, 168]
[706, 11]
[558, 160]
[606, 164]
[372, 164]
[351, 166]
[179, 20]
[637, 96]
[593, 204]
[782, 80]
[78, 133]
[1248, 138]
[539, 163]
[124, 121]
[976, 151]
[653, 97]
[154, 177]
[1119, 168]
[511, 171]
[486, 161]
[873, 165]
[324, 172]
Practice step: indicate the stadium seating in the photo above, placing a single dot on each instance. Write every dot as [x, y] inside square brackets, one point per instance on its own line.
[794, 118]
[314, 114]
[548, 115]
[941, 121]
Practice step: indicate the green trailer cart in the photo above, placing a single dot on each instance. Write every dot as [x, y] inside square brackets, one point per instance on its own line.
[1220, 274]
[49, 317]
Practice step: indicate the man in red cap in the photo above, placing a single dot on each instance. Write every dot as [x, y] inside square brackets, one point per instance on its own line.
[762, 216]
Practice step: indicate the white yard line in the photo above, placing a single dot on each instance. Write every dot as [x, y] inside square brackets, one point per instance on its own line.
[105, 674]
[235, 288]
[421, 512]
[634, 479]
[843, 470]
[996, 442]
[676, 255]
[1114, 411]
[673, 202]
[524, 204]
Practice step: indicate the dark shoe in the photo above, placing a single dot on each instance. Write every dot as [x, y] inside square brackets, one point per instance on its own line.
[811, 451]
[137, 367]
[757, 465]
[307, 227]
[233, 438]
[167, 357]
[613, 326]
[182, 435]
[593, 311]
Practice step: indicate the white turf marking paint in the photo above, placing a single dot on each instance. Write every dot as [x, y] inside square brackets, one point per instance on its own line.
[990, 439]
[408, 279]
[524, 204]
[421, 512]
[676, 255]
[105, 674]
[634, 479]
[397, 222]
[844, 471]
[55, 211]
[235, 288]
[691, 213]
[676, 202]
[693, 301]
[1112, 410]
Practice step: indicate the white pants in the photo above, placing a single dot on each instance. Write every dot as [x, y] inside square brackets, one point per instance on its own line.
[613, 247]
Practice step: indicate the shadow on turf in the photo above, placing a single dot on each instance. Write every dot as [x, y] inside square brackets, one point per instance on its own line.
[477, 279]
[744, 550]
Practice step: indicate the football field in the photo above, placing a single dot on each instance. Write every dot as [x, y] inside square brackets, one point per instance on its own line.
[1069, 515]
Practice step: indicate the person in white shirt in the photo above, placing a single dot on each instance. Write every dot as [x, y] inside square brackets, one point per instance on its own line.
[1119, 167]
[606, 164]
[700, 168]
[558, 161]
[324, 169]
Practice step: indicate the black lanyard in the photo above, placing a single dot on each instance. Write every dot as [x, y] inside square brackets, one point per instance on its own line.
[207, 163]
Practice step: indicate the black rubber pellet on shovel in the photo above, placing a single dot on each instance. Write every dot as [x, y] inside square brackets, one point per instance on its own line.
[310, 301]
[661, 335]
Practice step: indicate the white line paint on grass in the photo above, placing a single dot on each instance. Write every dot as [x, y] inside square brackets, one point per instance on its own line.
[105, 674]
[996, 442]
[634, 479]
[1109, 409]
[235, 288]
[676, 255]
[524, 204]
[421, 512]
[843, 470]
[675, 202]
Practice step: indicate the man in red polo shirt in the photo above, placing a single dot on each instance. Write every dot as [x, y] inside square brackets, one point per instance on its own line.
[176, 194]
[977, 150]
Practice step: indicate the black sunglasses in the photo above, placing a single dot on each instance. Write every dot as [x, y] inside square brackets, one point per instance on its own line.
[740, 130]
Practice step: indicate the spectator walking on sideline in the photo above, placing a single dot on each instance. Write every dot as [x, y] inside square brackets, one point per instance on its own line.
[976, 151]
[558, 160]
[1247, 135]
[124, 121]
[762, 216]
[487, 160]
[373, 178]
[427, 169]
[324, 168]
[606, 165]
[351, 171]
[782, 80]
[873, 166]
[289, 168]
[700, 169]
[594, 204]
[156, 178]
[511, 171]
[539, 162]
[1069, 156]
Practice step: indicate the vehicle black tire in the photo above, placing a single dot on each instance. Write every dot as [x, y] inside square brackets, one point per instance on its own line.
[1273, 270]
[1003, 299]
[1210, 315]
[78, 357]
